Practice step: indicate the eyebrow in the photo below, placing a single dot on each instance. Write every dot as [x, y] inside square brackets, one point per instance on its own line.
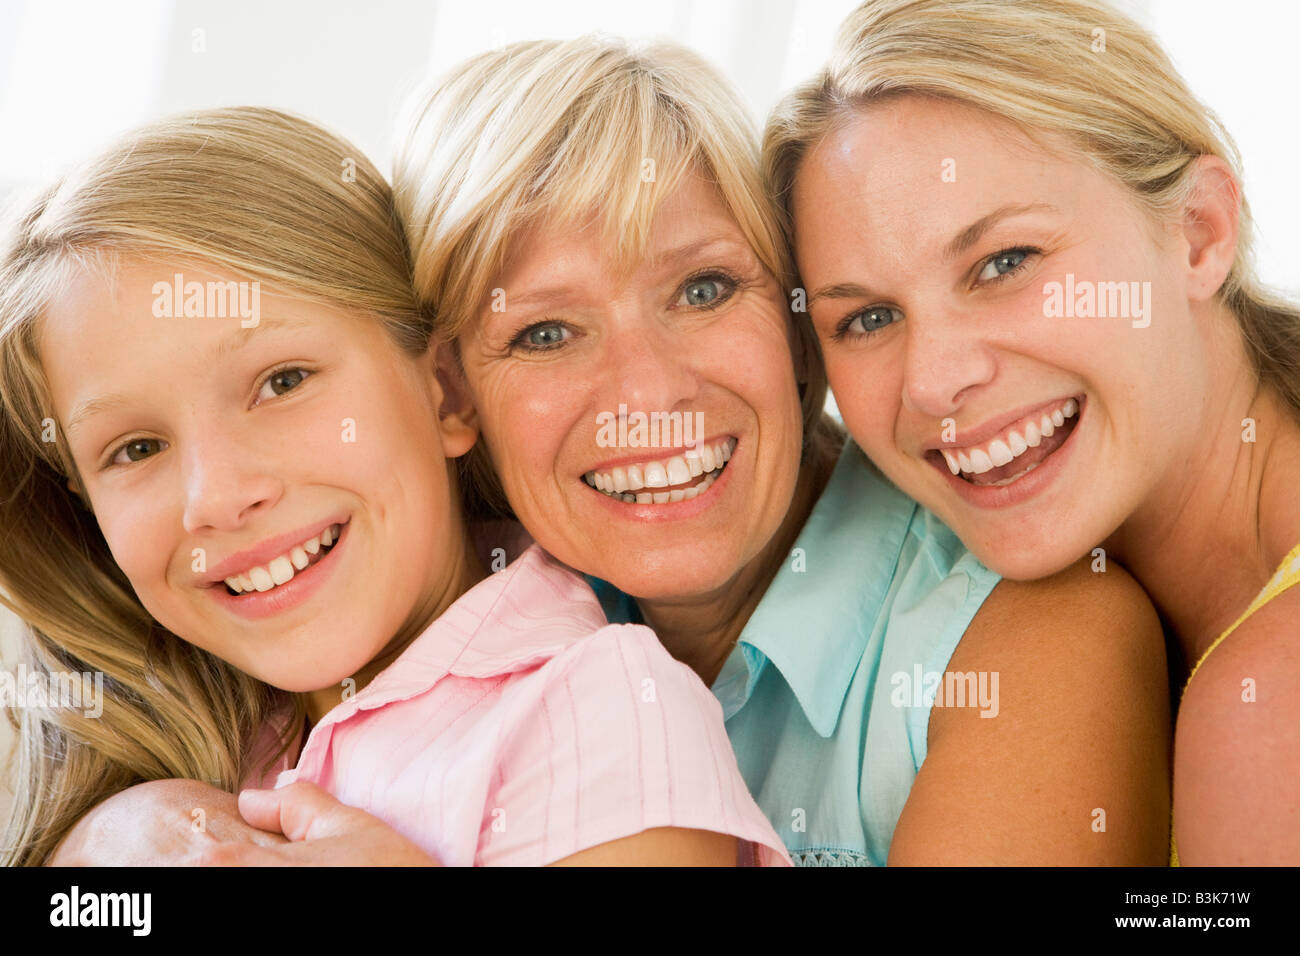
[955, 247]
[551, 295]
[227, 347]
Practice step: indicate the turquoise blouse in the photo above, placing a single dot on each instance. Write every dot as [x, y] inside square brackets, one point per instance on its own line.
[827, 695]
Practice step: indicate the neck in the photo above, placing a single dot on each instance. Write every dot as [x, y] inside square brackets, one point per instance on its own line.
[1221, 522]
[700, 630]
[464, 571]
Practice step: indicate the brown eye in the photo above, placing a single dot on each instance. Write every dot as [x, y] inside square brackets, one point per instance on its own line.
[137, 450]
[285, 380]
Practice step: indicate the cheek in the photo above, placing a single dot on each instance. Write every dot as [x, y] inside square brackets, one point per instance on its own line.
[867, 390]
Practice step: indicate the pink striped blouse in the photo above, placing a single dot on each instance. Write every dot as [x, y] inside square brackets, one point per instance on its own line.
[521, 728]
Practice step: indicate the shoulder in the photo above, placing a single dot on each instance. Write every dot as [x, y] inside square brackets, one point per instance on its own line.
[1237, 796]
[1079, 616]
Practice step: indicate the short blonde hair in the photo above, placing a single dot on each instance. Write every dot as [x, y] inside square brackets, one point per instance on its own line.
[560, 130]
[1123, 107]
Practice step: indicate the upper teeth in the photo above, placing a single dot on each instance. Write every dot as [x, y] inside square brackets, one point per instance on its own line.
[1012, 444]
[281, 569]
[626, 483]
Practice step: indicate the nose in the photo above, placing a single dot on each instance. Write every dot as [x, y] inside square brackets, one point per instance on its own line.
[225, 483]
[946, 360]
[650, 365]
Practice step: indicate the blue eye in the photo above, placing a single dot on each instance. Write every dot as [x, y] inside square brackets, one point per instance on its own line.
[867, 321]
[541, 337]
[706, 291]
[1004, 263]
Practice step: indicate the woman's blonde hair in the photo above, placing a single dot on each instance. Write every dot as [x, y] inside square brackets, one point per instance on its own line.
[558, 131]
[252, 192]
[1074, 68]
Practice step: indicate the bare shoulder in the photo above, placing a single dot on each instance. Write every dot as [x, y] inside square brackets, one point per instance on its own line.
[1236, 792]
[1079, 617]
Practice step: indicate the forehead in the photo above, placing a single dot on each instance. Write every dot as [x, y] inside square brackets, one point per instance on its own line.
[691, 214]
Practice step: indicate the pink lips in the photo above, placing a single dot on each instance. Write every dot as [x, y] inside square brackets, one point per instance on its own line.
[256, 605]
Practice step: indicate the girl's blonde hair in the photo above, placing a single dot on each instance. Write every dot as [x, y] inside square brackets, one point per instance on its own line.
[252, 192]
[558, 131]
[1075, 68]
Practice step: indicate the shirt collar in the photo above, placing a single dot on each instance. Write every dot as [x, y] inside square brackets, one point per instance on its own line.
[515, 618]
[819, 612]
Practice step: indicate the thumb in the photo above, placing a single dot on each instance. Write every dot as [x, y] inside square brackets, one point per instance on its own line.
[301, 811]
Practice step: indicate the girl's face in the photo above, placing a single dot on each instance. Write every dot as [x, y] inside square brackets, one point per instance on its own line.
[576, 351]
[215, 453]
[989, 306]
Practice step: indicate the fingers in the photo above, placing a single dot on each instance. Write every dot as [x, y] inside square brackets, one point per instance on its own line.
[301, 811]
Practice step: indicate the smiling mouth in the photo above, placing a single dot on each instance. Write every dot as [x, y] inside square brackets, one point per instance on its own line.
[285, 567]
[666, 481]
[1015, 452]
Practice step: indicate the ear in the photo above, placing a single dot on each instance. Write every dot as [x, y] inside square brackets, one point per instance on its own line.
[1210, 224]
[457, 414]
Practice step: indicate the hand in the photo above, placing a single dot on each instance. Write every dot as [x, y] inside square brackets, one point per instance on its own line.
[160, 823]
[320, 831]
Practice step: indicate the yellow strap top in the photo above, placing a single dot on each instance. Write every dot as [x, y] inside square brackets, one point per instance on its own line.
[1287, 575]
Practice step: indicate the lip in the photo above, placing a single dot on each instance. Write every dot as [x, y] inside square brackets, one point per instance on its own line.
[673, 510]
[256, 605]
[663, 454]
[996, 426]
[265, 551]
[1022, 489]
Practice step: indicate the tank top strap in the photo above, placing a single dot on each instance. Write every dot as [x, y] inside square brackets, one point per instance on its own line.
[1286, 576]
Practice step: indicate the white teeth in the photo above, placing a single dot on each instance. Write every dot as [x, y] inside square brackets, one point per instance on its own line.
[999, 453]
[1002, 451]
[644, 498]
[626, 483]
[678, 472]
[281, 570]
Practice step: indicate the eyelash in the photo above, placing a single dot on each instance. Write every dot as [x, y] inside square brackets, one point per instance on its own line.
[842, 330]
[279, 370]
[733, 283]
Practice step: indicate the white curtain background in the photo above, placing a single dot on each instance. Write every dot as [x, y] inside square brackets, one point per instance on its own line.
[77, 72]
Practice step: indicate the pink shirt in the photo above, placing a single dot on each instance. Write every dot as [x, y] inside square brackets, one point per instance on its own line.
[521, 728]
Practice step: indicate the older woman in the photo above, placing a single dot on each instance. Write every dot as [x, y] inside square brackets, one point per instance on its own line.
[589, 228]
[1061, 349]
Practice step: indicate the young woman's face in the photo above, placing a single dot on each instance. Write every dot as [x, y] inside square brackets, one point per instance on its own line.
[577, 348]
[929, 236]
[211, 452]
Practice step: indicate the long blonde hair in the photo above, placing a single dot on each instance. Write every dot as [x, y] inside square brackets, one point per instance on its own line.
[1075, 68]
[557, 130]
[248, 191]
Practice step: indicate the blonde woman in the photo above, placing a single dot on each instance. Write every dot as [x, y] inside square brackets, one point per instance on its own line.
[1027, 257]
[248, 521]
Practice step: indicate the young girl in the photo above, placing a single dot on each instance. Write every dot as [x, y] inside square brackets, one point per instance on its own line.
[1027, 258]
[226, 476]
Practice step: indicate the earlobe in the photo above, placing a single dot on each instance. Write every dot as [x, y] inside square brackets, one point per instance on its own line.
[457, 414]
[1210, 224]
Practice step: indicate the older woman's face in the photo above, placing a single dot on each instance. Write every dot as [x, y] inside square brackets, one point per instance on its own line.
[594, 384]
[1006, 334]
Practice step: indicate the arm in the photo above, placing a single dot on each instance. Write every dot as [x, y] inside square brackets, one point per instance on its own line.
[1082, 730]
[663, 846]
[1236, 790]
